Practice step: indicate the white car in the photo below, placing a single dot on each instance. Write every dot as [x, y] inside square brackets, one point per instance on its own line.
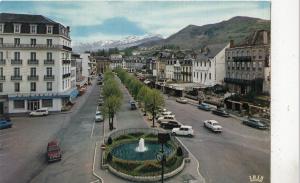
[99, 117]
[213, 125]
[39, 112]
[166, 118]
[183, 130]
[181, 100]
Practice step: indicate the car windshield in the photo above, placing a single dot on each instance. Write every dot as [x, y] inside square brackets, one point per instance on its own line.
[53, 148]
[98, 113]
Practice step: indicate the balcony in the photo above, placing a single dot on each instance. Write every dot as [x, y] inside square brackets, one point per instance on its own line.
[49, 77]
[242, 59]
[66, 75]
[49, 62]
[32, 78]
[2, 61]
[2, 78]
[35, 46]
[16, 78]
[16, 62]
[33, 62]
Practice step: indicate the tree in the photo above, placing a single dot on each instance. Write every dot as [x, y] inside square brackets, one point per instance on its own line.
[154, 101]
[142, 96]
[112, 97]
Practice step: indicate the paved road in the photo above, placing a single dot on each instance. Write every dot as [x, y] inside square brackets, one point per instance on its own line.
[23, 147]
[230, 157]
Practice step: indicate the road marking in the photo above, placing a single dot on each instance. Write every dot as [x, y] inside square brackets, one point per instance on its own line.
[95, 181]
[94, 173]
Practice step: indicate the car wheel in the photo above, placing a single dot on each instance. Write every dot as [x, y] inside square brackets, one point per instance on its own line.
[173, 133]
[190, 135]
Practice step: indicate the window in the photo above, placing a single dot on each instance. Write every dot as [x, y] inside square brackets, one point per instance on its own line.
[1, 87]
[1, 55]
[205, 76]
[33, 42]
[197, 74]
[49, 29]
[17, 28]
[209, 76]
[47, 103]
[1, 71]
[19, 104]
[1, 28]
[33, 29]
[16, 71]
[201, 63]
[49, 71]
[17, 55]
[204, 63]
[33, 86]
[1, 41]
[33, 71]
[49, 56]
[49, 86]
[49, 42]
[201, 75]
[194, 74]
[33, 56]
[209, 64]
[17, 87]
[17, 41]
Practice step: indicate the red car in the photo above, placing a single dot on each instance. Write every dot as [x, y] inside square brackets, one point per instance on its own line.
[53, 151]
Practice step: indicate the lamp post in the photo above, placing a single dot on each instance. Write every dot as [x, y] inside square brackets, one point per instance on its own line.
[162, 139]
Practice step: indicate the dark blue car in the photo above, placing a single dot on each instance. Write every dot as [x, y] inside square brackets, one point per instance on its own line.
[5, 124]
[204, 107]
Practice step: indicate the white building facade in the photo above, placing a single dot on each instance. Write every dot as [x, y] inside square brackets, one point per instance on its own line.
[209, 66]
[35, 69]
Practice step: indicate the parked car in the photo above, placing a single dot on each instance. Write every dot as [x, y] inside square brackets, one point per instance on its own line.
[183, 130]
[53, 151]
[39, 112]
[220, 112]
[255, 123]
[5, 123]
[204, 107]
[164, 113]
[132, 105]
[166, 118]
[181, 100]
[213, 125]
[170, 124]
[99, 117]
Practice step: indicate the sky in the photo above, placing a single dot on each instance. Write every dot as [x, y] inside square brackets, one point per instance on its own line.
[112, 20]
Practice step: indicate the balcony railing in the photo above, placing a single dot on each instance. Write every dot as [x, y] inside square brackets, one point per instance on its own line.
[32, 62]
[243, 81]
[65, 61]
[2, 78]
[32, 78]
[2, 61]
[242, 59]
[49, 62]
[66, 75]
[15, 62]
[49, 77]
[35, 46]
[16, 78]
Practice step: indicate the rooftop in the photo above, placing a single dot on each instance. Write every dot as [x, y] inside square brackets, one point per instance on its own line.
[24, 18]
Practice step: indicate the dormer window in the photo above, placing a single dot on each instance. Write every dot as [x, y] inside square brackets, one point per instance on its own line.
[33, 29]
[1, 28]
[17, 28]
[49, 29]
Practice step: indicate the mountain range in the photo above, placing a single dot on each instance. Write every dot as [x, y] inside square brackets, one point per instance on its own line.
[191, 37]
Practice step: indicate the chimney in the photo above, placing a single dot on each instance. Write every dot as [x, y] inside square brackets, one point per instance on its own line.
[231, 44]
[265, 37]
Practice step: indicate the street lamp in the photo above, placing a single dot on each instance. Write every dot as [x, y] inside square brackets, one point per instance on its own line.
[163, 138]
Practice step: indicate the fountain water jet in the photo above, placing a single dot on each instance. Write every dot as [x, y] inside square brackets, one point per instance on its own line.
[141, 147]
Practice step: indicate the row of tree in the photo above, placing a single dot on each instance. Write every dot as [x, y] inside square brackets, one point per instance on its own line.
[151, 99]
[112, 97]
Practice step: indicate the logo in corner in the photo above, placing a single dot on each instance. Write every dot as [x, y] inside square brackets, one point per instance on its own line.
[256, 178]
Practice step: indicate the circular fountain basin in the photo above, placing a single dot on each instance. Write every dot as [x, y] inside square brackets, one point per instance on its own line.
[128, 151]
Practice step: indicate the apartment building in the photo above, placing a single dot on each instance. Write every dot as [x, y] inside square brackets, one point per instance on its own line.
[248, 65]
[35, 64]
[209, 66]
